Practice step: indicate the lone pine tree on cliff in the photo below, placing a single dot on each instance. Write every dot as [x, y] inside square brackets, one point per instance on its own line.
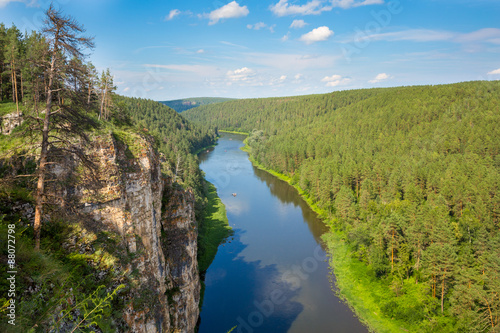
[65, 117]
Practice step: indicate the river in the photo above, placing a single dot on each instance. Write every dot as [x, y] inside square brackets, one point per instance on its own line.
[272, 275]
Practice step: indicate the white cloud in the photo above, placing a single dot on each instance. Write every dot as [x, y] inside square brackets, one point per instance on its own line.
[345, 4]
[313, 7]
[297, 24]
[196, 69]
[285, 37]
[200, 51]
[232, 44]
[335, 80]
[283, 78]
[379, 78]
[491, 35]
[32, 3]
[487, 35]
[415, 35]
[173, 13]
[231, 10]
[257, 26]
[495, 72]
[241, 74]
[317, 35]
[126, 89]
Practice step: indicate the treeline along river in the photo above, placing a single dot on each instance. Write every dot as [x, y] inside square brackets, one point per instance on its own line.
[272, 275]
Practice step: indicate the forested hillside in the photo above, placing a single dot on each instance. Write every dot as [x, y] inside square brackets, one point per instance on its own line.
[178, 139]
[69, 144]
[180, 105]
[411, 177]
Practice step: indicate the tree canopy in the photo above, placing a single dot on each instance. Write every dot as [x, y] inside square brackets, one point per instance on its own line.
[411, 175]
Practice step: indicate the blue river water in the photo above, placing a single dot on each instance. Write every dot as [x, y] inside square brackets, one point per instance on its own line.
[272, 275]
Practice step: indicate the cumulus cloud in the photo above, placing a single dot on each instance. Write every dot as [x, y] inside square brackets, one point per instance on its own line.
[317, 35]
[335, 80]
[297, 24]
[231, 10]
[379, 78]
[316, 7]
[257, 26]
[200, 51]
[285, 37]
[283, 78]
[345, 4]
[495, 72]
[173, 13]
[241, 74]
[313, 7]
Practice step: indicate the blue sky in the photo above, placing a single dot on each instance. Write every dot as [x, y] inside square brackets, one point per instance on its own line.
[249, 48]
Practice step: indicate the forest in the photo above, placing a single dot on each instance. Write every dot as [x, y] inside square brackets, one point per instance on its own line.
[408, 176]
[52, 103]
[180, 105]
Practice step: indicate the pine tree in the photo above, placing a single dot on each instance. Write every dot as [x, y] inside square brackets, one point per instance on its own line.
[64, 36]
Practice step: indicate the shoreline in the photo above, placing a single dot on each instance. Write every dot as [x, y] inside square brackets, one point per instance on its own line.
[352, 277]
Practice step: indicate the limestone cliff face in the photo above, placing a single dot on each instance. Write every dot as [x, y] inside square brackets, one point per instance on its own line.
[157, 227]
[180, 251]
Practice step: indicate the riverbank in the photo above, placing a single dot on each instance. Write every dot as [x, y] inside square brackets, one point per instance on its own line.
[204, 148]
[234, 132]
[354, 281]
[214, 228]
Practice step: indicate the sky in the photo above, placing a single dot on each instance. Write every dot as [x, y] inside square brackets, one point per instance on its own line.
[172, 49]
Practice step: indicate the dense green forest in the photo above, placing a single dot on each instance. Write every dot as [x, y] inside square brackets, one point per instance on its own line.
[180, 105]
[410, 176]
[178, 140]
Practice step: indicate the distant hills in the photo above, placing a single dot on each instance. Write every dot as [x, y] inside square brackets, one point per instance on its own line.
[180, 105]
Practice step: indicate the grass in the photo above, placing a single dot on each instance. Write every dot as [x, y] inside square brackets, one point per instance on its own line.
[57, 278]
[214, 228]
[7, 107]
[322, 213]
[234, 132]
[358, 286]
[355, 281]
[134, 142]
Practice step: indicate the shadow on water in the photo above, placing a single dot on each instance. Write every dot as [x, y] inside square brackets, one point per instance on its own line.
[237, 296]
[271, 275]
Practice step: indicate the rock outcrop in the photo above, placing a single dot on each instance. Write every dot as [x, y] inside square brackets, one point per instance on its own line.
[9, 122]
[155, 221]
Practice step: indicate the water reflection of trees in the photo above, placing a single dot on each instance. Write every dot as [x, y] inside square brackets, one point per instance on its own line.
[286, 194]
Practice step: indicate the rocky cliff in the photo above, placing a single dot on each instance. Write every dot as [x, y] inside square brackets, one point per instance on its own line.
[126, 195]
[9, 122]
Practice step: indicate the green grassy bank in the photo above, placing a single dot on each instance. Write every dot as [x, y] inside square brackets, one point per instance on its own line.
[355, 282]
[214, 228]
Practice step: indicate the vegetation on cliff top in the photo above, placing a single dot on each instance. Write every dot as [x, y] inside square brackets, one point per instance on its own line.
[410, 176]
[72, 281]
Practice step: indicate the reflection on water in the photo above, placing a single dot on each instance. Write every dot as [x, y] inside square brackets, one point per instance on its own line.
[271, 276]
